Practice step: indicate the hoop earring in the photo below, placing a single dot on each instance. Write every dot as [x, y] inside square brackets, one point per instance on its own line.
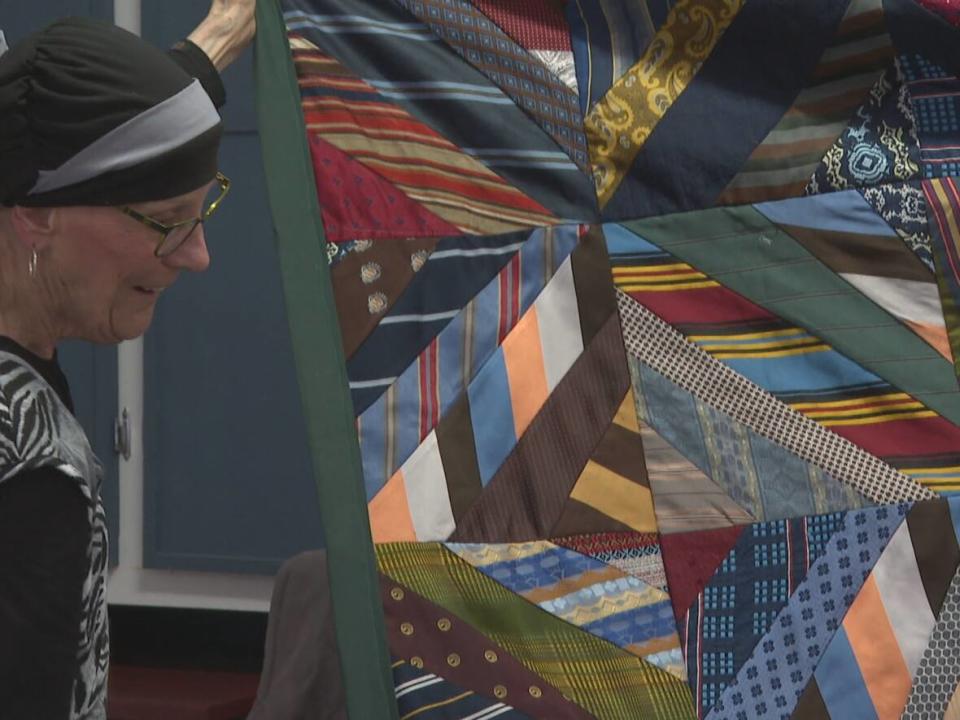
[32, 267]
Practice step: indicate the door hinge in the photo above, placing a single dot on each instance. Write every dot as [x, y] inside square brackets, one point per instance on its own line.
[121, 435]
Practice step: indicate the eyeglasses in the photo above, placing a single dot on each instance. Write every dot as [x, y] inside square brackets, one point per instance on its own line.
[173, 236]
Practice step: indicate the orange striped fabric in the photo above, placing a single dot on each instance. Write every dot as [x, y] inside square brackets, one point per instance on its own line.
[526, 375]
[351, 115]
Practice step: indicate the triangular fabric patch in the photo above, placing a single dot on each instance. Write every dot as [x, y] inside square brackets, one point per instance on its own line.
[587, 593]
[458, 269]
[562, 64]
[879, 145]
[760, 479]
[684, 498]
[782, 164]
[352, 198]
[690, 560]
[613, 483]
[637, 554]
[884, 270]
[370, 279]
[351, 114]
[740, 601]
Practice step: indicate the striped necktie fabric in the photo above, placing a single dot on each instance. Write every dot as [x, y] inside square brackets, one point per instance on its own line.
[782, 165]
[419, 692]
[586, 593]
[943, 199]
[451, 649]
[650, 316]
[869, 664]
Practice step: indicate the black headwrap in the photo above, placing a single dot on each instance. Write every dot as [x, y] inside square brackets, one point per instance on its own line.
[90, 114]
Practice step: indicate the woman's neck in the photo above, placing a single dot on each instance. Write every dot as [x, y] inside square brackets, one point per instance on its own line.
[23, 314]
[41, 347]
[23, 321]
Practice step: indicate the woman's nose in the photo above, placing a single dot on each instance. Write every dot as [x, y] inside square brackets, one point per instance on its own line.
[192, 255]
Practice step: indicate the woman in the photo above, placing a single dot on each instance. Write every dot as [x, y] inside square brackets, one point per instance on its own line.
[108, 165]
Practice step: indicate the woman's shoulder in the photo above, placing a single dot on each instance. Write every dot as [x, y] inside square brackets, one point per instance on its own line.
[15, 370]
[36, 431]
[21, 387]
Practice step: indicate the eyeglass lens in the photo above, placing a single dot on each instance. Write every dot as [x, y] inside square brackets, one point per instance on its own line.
[176, 237]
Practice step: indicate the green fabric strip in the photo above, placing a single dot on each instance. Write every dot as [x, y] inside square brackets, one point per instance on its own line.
[609, 682]
[328, 412]
[739, 248]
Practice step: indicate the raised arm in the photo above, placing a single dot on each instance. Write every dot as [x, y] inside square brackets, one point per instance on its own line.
[226, 31]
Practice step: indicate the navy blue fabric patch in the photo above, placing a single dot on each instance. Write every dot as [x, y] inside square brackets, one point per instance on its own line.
[429, 697]
[870, 150]
[916, 30]
[747, 591]
[743, 89]
[457, 270]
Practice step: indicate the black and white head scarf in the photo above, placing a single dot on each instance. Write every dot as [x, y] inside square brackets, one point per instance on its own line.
[90, 114]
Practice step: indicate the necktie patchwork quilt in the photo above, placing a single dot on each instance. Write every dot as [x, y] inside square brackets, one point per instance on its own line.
[650, 311]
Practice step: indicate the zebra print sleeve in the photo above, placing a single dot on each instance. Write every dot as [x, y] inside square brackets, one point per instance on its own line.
[44, 536]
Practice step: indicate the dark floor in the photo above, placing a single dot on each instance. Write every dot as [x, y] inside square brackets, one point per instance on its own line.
[187, 639]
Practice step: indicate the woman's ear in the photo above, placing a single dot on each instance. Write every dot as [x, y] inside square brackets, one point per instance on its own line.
[34, 226]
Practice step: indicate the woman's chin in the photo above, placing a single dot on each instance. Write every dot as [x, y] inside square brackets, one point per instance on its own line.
[131, 326]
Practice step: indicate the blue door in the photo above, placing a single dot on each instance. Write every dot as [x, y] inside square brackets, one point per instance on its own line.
[228, 484]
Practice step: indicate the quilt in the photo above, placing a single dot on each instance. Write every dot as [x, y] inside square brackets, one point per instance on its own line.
[650, 311]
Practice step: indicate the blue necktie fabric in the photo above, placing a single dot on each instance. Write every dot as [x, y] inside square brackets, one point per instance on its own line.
[747, 591]
[390, 428]
[771, 680]
[456, 270]
[510, 67]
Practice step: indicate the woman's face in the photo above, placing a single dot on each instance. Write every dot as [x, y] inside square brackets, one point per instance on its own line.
[102, 272]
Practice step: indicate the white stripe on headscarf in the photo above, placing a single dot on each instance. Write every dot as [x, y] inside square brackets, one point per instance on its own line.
[154, 132]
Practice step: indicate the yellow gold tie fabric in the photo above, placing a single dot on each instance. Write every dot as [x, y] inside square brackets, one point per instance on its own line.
[620, 123]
